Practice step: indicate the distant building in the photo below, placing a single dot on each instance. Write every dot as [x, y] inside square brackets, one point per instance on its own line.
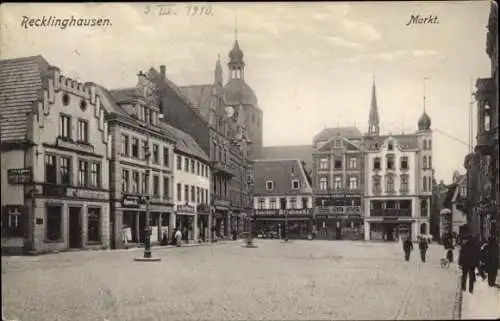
[282, 196]
[302, 152]
[55, 150]
[399, 175]
[337, 180]
[455, 201]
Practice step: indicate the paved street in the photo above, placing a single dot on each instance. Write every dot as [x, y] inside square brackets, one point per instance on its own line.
[305, 280]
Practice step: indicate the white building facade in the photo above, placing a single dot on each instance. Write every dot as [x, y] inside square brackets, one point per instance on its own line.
[398, 188]
[191, 189]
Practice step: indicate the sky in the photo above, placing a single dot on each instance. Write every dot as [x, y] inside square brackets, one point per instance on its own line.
[310, 64]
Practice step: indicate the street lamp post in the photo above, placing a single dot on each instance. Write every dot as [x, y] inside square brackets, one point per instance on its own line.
[147, 228]
[250, 184]
[286, 225]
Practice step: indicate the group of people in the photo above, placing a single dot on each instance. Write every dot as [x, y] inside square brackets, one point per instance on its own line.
[176, 237]
[473, 256]
[423, 246]
[482, 257]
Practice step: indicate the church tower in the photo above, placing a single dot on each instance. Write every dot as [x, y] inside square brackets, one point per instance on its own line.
[373, 120]
[236, 64]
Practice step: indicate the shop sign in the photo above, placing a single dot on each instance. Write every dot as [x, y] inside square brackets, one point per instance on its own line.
[303, 211]
[268, 212]
[17, 176]
[131, 201]
[85, 193]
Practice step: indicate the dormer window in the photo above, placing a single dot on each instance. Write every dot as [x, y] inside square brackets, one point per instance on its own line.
[295, 184]
[390, 146]
[269, 185]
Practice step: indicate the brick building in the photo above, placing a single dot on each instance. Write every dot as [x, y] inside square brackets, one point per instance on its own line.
[337, 180]
[55, 151]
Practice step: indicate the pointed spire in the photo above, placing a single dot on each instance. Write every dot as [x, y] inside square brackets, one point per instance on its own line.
[218, 72]
[373, 121]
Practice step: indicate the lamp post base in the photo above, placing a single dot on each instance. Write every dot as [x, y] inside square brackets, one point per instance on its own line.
[149, 259]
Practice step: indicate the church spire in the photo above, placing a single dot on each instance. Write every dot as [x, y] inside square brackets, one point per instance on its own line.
[218, 72]
[373, 121]
[236, 65]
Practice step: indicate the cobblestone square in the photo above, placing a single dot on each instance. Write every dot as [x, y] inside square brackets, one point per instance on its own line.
[299, 280]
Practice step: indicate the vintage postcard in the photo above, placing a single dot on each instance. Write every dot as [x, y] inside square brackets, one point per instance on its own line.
[249, 161]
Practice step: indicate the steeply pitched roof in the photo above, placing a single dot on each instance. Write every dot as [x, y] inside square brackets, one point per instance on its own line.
[346, 132]
[302, 152]
[281, 172]
[184, 143]
[123, 94]
[20, 85]
[200, 97]
[404, 141]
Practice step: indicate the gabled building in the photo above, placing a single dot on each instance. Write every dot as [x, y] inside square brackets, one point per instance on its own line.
[55, 151]
[192, 187]
[141, 169]
[337, 181]
[399, 175]
[282, 196]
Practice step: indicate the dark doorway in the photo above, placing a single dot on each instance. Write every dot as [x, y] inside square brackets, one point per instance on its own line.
[75, 228]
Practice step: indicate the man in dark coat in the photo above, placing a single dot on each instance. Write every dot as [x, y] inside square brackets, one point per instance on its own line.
[468, 261]
[491, 261]
[423, 246]
[407, 248]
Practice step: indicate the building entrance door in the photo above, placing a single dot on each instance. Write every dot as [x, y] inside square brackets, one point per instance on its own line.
[75, 228]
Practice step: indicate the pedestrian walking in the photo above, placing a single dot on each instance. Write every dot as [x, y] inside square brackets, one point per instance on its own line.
[178, 237]
[423, 246]
[483, 259]
[407, 248]
[492, 260]
[468, 261]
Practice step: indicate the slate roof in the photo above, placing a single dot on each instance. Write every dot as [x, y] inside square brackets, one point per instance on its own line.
[302, 152]
[346, 132]
[405, 142]
[20, 85]
[200, 97]
[281, 172]
[184, 143]
[123, 94]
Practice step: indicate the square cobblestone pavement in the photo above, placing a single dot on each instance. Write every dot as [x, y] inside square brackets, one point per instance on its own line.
[300, 280]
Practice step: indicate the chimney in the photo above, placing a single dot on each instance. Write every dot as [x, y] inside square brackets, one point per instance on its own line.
[163, 72]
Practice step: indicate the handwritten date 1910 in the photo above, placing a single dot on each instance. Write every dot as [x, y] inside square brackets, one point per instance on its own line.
[172, 9]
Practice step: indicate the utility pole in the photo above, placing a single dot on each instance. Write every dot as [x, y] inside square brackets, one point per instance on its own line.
[250, 184]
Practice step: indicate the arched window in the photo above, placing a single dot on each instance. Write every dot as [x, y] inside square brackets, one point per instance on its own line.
[425, 184]
[425, 144]
[424, 163]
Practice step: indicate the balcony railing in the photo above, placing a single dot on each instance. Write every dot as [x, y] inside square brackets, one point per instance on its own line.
[390, 212]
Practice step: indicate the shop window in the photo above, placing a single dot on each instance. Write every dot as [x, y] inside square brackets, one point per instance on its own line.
[54, 223]
[12, 220]
[50, 169]
[94, 224]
